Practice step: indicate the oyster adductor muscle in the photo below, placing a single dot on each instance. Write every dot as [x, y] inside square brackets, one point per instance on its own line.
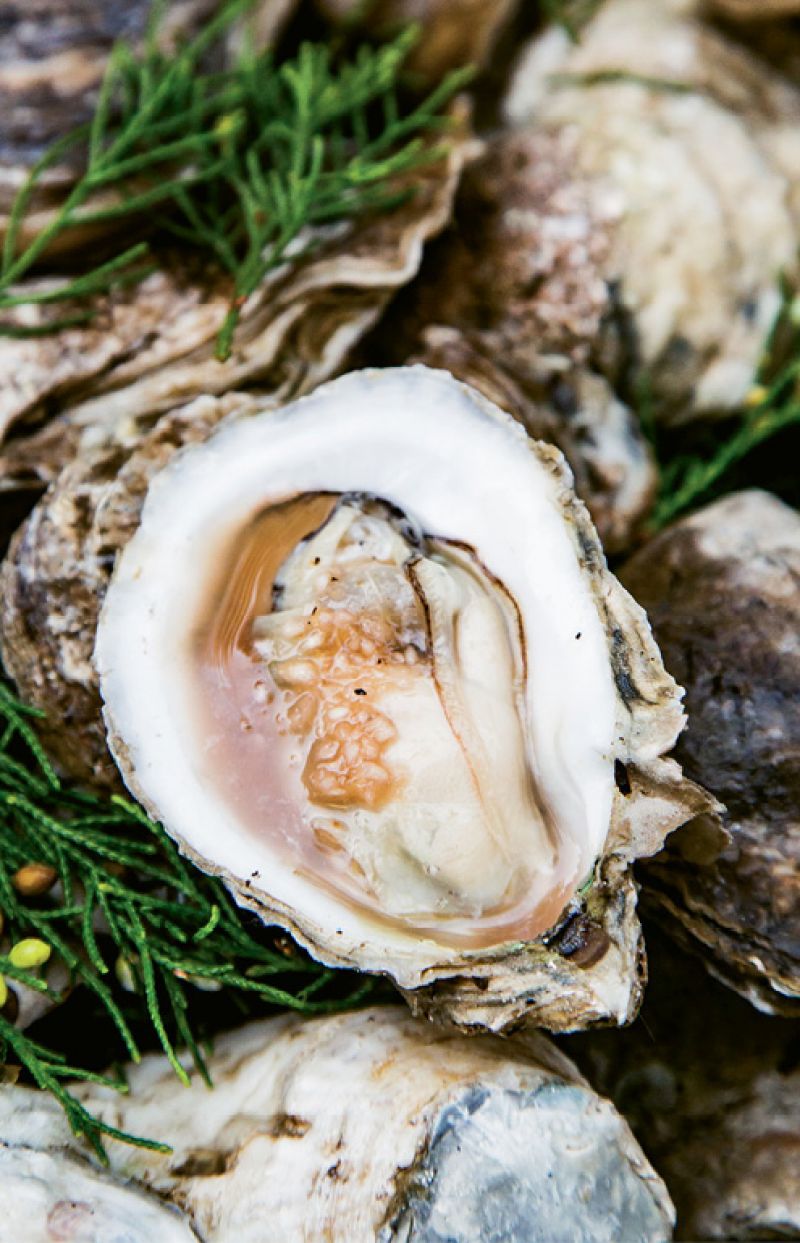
[723, 591]
[365, 661]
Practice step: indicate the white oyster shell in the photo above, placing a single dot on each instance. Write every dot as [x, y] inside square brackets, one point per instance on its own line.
[375, 1128]
[599, 713]
[52, 1193]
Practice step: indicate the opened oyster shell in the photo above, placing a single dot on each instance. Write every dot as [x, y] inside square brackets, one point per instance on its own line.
[674, 124]
[365, 661]
[373, 1127]
[723, 591]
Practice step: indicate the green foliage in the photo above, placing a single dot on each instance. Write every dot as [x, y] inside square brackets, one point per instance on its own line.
[128, 912]
[691, 479]
[239, 164]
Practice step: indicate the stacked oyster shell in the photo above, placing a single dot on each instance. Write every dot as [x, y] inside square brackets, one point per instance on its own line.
[362, 655]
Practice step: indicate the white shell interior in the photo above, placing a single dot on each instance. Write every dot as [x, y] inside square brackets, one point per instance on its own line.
[462, 470]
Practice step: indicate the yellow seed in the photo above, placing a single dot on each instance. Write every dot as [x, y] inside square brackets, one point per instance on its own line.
[3, 992]
[31, 952]
[755, 396]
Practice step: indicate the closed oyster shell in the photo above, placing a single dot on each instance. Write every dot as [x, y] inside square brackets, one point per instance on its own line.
[52, 1191]
[673, 124]
[371, 1126]
[589, 967]
[711, 1089]
[151, 348]
[53, 54]
[722, 589]
[454, 33]
[513, 299]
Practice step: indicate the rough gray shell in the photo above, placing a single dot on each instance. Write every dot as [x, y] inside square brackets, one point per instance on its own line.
[374, 1128]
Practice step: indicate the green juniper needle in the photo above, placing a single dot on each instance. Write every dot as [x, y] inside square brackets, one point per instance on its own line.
[125, 898]
[241, 165]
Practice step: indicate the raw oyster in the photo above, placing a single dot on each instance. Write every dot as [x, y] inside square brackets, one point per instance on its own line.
[673, 123]
[723, 591]
[461, 677]
[513, 300]
[372, 1126]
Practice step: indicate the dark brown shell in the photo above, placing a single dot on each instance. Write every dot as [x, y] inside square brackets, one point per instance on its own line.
[711, 1089]
[453, 32]
[754, 10]
[672, 122]
[722, 590]
[513, 301]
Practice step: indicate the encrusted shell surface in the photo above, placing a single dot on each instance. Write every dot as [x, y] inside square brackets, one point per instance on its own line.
[673, 123]
[53, 54]
[454, 33]
[373, 1127]
[722, 589]
[590, 967]
[513, 299]
[711, 1089]
[150, 348]
[53, 1192]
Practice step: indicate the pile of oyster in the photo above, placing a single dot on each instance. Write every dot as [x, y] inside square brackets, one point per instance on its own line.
[337, 612]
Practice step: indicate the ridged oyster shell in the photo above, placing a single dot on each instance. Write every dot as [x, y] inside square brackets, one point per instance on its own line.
[150, 348]
[723, 590]
[391, 433]
[374, 1128]
[513, 300]
[673, 123]
[53, 54]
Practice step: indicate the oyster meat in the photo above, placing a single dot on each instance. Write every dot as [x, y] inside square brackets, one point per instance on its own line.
[723, 591]
[365, 661]
[375, 1128]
